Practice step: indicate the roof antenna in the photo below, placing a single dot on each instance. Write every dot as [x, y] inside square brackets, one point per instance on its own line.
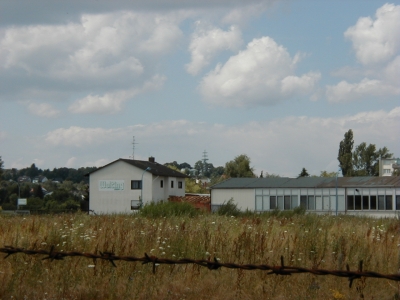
[133, 148]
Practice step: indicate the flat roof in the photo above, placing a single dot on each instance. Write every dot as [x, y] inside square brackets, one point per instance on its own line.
[308, 182]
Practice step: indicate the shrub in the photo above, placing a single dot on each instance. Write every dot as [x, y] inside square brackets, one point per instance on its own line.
[229, 209]
[168, 209]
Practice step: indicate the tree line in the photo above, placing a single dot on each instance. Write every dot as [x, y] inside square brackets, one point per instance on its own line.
[363, 160]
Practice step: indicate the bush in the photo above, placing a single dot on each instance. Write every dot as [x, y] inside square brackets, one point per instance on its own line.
[229, 209]
[168, 209]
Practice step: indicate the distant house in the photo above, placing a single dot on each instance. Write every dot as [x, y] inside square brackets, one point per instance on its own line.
[39, 179]
[123, 185]
[376, 196]
[388, 165]
[24, 179]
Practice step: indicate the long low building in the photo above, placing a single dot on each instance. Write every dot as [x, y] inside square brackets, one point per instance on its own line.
[378, 196]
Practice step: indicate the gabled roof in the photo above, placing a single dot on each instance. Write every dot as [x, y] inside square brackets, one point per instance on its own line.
[308, 182]
[155, 168]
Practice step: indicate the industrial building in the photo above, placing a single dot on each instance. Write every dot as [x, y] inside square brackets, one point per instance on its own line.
[376, 196]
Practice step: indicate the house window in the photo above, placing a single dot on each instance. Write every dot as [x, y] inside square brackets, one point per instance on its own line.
[387, 171]
[389, 202]
[172, 184]
[136, 184]
[350, 202]
[381, 202]
[397, 202]
[180, 184]
[135, 204]
[161, 183]
[373, 202]
[272, 202]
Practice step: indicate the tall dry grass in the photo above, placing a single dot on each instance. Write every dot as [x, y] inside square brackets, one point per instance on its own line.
[308, 241]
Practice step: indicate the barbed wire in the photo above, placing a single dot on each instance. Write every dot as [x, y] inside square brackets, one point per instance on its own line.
[214, 264]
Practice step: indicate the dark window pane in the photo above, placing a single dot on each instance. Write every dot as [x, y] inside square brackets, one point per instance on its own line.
[397, 202]
[381, 202]
[172, 184]
[161, 183]
[357, 202]
[180, 184]
[373, 202]
[365, 202]
[389, 202]
[303, 202]
[287, 202]
[136, 184]
[350, 202]
[272, 202]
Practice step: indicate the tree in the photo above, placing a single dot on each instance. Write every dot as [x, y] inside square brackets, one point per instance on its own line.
[304, 173]
[345, 153]
[1, 168]
[366, 159]
[327, 174]
[239, 167]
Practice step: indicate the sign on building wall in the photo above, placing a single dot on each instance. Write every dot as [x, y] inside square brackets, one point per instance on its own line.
[111, 185]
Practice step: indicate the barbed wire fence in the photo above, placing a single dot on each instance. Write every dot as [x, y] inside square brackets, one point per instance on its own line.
[214, 264]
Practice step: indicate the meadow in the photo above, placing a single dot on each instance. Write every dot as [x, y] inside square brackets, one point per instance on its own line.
[323, 242]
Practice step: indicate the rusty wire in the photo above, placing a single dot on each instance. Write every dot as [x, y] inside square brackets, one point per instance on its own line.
[211, 265]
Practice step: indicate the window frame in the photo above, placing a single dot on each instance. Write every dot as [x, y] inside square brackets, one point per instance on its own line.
[138, 184]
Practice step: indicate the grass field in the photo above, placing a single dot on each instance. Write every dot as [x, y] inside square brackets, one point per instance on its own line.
[323, 242]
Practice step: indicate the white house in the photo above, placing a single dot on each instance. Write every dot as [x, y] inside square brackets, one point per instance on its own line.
[388, 165]
[123, 185]
[377, 196]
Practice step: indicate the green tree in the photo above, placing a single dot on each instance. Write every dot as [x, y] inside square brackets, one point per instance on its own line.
[239, 167]
[304, 173]
[1, 168]
[327, 174]
[366, 159]
[345, 153]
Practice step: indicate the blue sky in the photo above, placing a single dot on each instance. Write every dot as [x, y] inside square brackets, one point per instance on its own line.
[280, 81]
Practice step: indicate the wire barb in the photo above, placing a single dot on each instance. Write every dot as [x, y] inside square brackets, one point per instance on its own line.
[211, 265]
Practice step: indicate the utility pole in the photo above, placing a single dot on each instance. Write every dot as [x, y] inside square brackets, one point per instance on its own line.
[205, 159]
[133, 148]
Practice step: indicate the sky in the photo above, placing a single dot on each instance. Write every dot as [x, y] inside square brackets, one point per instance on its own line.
[281, 81]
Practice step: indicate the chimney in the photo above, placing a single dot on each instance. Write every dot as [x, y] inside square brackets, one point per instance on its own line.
[151, 159]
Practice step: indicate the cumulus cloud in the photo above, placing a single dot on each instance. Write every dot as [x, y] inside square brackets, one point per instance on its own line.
[376, 43]
[262, 74]
[345, 91]
[44, 110]
[103, 54]
[377, 40]
[207, 41]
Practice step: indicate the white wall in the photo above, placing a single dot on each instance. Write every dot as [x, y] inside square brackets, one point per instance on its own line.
[245, 198]
[118, 201]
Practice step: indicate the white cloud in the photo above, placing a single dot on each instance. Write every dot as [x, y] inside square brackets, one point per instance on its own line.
[110, 103]
[207, 42]
[71, 162]
[344, 91]
[377, 40]
[314, 140]
[75, 136]
[377, 47]
[263, 74]
[101, 54]
[44, 110]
